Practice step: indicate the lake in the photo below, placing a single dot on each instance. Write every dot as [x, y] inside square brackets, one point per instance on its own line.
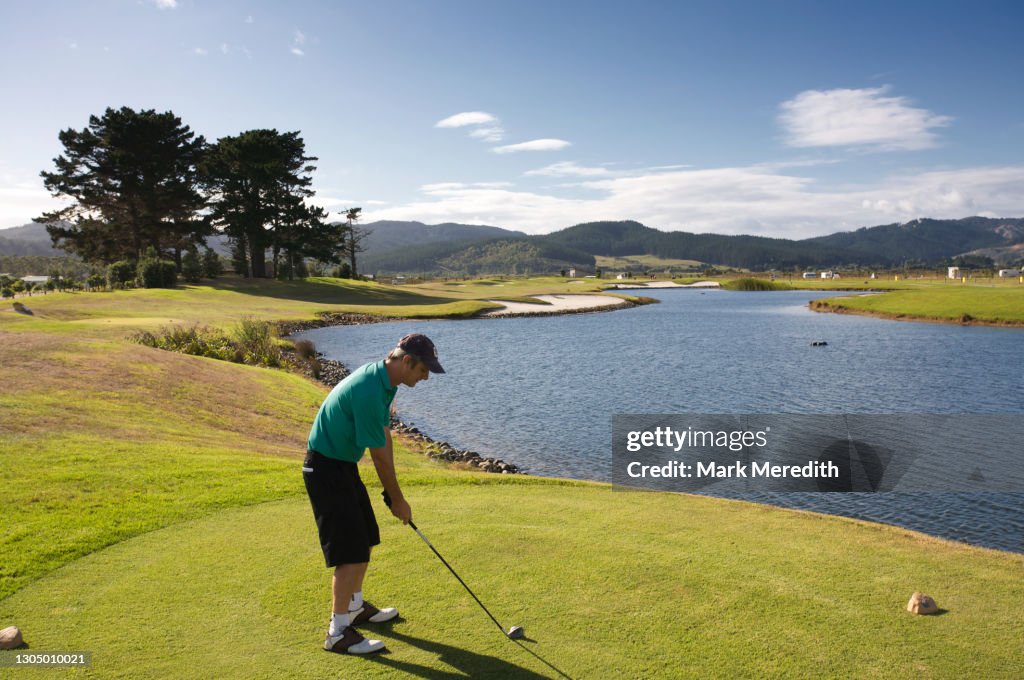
[540, 392]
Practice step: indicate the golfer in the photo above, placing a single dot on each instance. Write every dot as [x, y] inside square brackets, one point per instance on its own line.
[357, 416]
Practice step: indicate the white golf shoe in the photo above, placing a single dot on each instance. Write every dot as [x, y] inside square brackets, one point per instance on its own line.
[370, 614]
[351, 642]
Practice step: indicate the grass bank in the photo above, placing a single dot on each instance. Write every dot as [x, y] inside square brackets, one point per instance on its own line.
[996, 306]
[146, 490]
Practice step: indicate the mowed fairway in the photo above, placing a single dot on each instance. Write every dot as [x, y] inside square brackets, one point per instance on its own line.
[155, 516]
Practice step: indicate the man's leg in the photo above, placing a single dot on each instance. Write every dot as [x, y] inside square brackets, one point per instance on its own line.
[348, 579]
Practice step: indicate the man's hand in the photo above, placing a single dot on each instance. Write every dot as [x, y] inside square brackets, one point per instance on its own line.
[400, 508]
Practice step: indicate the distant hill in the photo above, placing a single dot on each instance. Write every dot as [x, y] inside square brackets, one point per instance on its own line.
[393, 235]
[750, 252]
[394, 247]
[931, 240]
[28, 239]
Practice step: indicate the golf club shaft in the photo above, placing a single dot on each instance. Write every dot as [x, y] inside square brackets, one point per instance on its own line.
[455, 574]
[387, 502]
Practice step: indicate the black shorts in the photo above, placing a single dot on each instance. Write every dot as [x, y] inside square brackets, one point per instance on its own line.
[341, 507]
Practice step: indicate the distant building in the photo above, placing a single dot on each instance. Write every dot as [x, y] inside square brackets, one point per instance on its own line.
[572, 272]
[623, 276]
[398, 280]
[1008, 273]
[953, 273]
[810, 275]
[32, 280]
[828, 275]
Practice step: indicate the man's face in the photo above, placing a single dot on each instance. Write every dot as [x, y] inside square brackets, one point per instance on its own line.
[414, 374]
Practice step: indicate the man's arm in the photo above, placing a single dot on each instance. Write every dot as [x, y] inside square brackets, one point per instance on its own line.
[384, 462]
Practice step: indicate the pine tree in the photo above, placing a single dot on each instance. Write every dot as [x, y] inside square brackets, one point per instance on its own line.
[133, 178]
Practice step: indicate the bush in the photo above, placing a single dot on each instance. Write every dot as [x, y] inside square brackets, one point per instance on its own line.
[251, 342]
[755, 284]
[305, 349]
[153, 273]
[191, 268]
[212, 265]
[6, 292]
[119, 274]
[255, 339]
[96, 281]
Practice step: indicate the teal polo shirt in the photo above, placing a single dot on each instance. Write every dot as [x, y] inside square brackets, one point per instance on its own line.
[354, 415]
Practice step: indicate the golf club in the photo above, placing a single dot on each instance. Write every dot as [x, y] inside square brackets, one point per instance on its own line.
[513, 633]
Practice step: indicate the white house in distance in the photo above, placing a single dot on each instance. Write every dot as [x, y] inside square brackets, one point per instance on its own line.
[33, 280]
[953, 273]
[1008, 273]
[810, 275]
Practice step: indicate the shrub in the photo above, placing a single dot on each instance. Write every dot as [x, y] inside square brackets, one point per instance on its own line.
[120, 273]
[755, 284]
[96, 281]
[211, 264]
[6, 292]
[153, 273]
[191, 268]
[255, 339]
[305, 349]
[251, 342]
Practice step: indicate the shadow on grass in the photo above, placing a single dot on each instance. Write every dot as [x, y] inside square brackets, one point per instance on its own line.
[469, 664]
[330, 293]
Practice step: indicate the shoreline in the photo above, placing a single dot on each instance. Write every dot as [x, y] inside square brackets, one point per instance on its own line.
[331, 371]
[823, 307]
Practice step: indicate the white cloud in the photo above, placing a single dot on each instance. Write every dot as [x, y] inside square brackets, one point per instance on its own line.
[466, 118]
[224, 49]
[249, 19]
[757, 199]
[73, 46]
[445, 187]
[535, 145]
[492, 133]
[297, 52]
[20, 201]
[568, 169]
[859, 118]
[200, 51]
[166, 4]
[299, 37]
[486, 126]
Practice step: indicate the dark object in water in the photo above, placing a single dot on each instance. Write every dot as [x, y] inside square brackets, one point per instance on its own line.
[819, 343]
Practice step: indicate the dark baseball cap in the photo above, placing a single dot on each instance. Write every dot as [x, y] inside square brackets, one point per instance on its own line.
[423, 349]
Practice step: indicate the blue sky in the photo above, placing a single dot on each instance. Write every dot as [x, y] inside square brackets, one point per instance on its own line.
[788, 119]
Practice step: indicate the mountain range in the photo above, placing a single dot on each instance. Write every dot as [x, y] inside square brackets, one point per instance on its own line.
[394, 247]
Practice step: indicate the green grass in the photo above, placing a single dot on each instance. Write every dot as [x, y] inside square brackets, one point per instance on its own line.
[708, 588]
[994, 305]
[155, 516]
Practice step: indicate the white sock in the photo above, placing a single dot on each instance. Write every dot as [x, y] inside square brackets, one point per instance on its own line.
[357, 601]
[339, 622]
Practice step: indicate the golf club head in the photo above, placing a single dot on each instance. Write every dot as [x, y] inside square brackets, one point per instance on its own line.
[516, 633]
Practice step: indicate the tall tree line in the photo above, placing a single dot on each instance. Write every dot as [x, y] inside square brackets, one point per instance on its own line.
[141, 180]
